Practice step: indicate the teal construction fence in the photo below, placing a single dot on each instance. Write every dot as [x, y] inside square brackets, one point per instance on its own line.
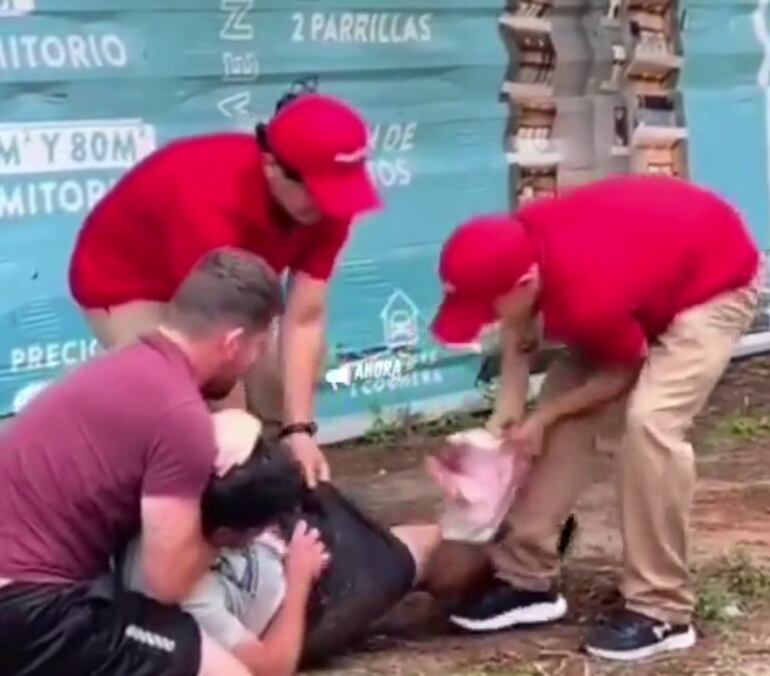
[88, 87]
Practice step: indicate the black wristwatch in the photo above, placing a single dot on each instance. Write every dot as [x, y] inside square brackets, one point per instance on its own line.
[309, 428]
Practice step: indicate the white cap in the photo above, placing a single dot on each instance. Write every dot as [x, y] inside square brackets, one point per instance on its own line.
[236, 433]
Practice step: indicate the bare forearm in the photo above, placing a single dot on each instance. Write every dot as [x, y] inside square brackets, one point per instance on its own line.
[600, 388]
[173, 584]
[514, 382]
[301, 353]
[278, 653]
[174, 553]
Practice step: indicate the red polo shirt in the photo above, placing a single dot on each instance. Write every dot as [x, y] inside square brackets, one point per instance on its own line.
[622, 257]
[192, 196]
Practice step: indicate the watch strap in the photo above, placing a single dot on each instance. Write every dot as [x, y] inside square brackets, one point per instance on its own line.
[309, 428]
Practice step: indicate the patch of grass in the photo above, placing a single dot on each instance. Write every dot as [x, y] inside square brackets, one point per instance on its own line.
[389, 430]
[453, 422]
[384, 431]
[715, 602]
[501, 670]
[512, 664]
[731, 587]
[746, 427]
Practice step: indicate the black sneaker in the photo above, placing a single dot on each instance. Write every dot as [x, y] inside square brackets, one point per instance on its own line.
[631, 636]
[502, 607]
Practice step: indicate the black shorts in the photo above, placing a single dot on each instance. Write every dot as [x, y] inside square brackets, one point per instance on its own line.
[93, 630]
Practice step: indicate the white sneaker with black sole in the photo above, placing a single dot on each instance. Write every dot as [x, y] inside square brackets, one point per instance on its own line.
[503, 607]
[630, 637]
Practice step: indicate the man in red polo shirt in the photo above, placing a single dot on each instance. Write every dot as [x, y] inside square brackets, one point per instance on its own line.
[289, 195]
[650, 283]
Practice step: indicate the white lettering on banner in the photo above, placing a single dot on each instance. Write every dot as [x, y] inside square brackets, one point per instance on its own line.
[237, 25]
[44, 147]
[391, 374]
[402, 368]
[43, 356]
[238, 66]
[393, 138]
[390, 173]
[235, 105]
[47, 198]
[380, 368]
[390, 142]
[376, 375]
[16, 7]
[76, 52]
[362, 27]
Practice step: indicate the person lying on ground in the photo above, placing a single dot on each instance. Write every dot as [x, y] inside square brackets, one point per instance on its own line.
[269, 597]
[650, 283]
[252, 600]
[267, 580]
[122, 442]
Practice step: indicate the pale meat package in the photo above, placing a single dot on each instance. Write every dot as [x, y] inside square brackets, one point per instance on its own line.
[479, 475]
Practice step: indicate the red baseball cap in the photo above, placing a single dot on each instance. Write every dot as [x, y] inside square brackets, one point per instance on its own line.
[326, 142]
[482, 260]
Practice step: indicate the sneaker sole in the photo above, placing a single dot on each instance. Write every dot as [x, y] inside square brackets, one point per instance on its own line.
[539, 613]
[671, 644]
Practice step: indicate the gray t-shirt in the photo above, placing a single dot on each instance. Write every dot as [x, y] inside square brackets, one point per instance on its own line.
[236, 601]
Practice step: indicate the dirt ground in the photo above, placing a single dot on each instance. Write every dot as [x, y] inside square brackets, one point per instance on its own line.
[731, 550]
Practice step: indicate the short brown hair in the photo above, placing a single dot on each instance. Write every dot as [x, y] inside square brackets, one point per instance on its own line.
[227, 286]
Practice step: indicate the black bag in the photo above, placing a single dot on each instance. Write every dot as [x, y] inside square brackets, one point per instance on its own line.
[370, 571]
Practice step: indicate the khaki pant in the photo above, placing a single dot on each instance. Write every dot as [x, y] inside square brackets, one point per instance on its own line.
[262, 388]
[655, 463]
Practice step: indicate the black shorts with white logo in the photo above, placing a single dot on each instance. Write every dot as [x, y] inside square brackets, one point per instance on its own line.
[90, 630]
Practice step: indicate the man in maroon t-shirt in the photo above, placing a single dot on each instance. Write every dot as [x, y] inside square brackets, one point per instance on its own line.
[125, 442]
[288, 195]
[650, 283]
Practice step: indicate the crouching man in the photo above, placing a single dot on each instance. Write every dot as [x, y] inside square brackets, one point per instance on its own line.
[650, 282]
[121, 443]
[291, 195]
[300, 574]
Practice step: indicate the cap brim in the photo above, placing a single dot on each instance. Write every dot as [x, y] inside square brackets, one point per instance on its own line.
[344, 194]
[459, 322]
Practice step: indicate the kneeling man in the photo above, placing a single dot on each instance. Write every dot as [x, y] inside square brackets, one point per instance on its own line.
[300, 574]
[121, 443]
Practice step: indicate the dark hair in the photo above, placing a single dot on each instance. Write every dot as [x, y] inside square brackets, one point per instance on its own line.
[227, 285]
[298, 88]
[256, 494]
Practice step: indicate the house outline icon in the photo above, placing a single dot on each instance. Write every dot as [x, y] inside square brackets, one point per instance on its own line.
[400, 321]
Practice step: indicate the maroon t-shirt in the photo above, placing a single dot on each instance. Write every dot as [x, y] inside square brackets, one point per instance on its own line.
[76, 462]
